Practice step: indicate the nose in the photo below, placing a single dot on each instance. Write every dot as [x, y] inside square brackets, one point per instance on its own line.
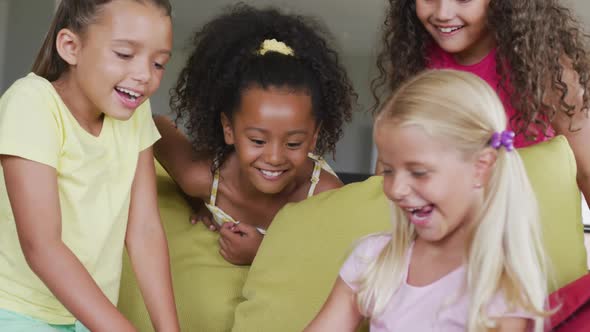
[274, 154]
[142, 71]
[444, 10]
[397, 187]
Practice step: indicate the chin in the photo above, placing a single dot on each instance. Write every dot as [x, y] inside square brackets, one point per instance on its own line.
[268, 188]
[453, 49]
[122, 115]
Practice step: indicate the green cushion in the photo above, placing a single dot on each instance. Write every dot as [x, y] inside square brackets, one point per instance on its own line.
[551, 168]
[307, 242]
[206, 287]
[301, 254]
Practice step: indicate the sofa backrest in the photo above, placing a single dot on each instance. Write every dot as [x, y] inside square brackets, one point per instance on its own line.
[307, 242]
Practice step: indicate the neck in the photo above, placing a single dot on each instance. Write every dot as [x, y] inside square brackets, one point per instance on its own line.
[453, 246]
[477, 52]
[86, 114]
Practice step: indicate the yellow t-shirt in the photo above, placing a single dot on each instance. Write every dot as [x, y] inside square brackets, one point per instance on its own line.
[94, 176]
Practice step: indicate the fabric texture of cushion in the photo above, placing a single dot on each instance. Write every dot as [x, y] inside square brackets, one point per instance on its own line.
[206, 287]
[573, 304]
[307, 242]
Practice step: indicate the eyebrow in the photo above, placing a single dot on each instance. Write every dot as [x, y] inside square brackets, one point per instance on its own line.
[136, 44]
[417, 164]
[291, 132]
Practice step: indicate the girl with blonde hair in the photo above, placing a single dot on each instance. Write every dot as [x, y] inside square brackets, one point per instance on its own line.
[465, 251]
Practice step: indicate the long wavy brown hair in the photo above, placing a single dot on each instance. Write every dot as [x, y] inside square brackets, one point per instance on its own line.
[535, 40]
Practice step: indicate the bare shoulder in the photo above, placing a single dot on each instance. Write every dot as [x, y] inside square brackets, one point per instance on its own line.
[327, 182]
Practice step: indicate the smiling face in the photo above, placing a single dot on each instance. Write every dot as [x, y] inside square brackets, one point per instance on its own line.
[431, 182]
[273, 131]
[119, 60]
[458, 26]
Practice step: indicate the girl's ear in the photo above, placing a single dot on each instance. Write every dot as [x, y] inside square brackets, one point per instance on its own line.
[484, 163]
[228, 132]
[68, 45]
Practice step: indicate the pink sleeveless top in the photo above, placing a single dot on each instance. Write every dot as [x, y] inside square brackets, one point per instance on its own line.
[486, 70]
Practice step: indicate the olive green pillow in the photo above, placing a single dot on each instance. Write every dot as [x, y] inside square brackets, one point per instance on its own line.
[207, 288]
[307, 242]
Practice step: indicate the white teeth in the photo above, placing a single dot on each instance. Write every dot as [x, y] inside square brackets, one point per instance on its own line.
[129, 92]
[271, 174]
[412, 210]
[447, 30]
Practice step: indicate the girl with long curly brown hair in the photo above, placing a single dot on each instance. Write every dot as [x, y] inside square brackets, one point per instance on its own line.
[532, 52]
[260, 92]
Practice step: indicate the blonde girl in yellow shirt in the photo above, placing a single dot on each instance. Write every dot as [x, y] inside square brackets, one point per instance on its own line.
[77, 179]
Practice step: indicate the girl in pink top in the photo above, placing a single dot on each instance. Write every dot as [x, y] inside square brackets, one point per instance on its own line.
[465, 251]
[530, 51]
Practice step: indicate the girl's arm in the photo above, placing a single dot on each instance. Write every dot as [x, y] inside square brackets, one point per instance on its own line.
[32, 190]
[175, 153]
[579, 137]
[147, 247]
[339, 313]
[512, 324]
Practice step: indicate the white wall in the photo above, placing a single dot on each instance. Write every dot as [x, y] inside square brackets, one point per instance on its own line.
[26, 23]
[353, 151]
[4, 10]
[582, 9]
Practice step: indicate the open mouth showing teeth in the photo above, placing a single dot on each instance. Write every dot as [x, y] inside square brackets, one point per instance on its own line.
[131, 95]
[450, 29]
[422, 213]
[271, 174]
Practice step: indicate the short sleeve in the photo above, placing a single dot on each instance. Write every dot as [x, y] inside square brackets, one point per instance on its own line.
[499, 308]
[148, 133]
[29, 123]
[360, 258]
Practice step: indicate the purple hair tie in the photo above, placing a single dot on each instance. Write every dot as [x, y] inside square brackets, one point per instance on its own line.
[505, 138]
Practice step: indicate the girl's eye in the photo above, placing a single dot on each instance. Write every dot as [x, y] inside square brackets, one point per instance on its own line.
[159, 66]
[257, 141]
[123, 55]
[386, 172]
[293, 145]
[419, 174]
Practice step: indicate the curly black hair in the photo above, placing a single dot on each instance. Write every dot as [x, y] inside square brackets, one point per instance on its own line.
[533, 38]
[225, 62]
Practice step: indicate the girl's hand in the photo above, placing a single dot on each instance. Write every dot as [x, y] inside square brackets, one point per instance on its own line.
[200, 213]
[239, 243]
[204, 215]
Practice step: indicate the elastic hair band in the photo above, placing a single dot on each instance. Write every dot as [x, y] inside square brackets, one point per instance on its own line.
[273, 45]
[505, 139]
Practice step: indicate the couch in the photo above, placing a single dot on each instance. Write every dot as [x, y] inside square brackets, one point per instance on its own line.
[307, 242]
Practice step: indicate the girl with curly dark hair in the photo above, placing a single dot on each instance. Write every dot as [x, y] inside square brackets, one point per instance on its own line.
[261, 91]
[532, 52]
